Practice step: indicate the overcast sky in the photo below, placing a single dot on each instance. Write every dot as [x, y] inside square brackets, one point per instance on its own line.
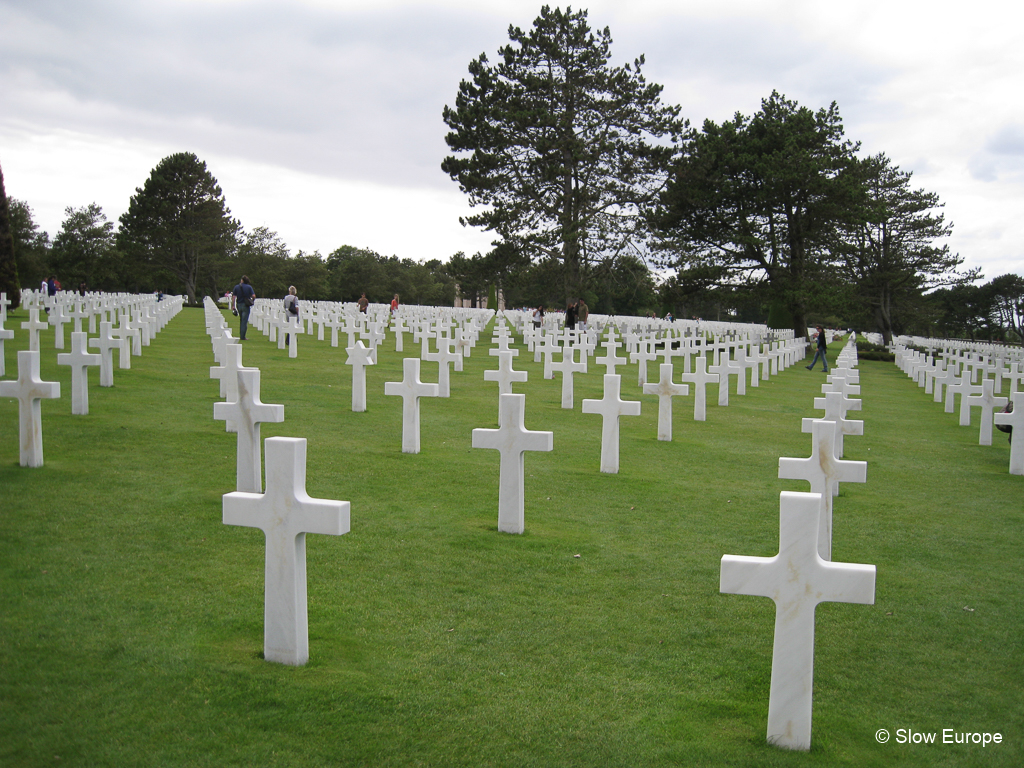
[322, 119]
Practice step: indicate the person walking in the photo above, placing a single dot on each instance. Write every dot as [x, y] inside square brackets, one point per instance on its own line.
[582, 313]
[363, 303]
[394, 304]
[570, 316]
[820, 352]
[291, 306]
[243, 296]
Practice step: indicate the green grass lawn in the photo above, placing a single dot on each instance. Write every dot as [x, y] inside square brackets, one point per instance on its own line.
[131, 627]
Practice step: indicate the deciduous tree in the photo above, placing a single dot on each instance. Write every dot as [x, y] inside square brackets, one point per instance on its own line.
[83, 251]
[31, 245]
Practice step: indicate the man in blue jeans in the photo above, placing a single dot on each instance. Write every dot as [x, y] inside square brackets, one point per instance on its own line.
[820, 352]
[242, 298]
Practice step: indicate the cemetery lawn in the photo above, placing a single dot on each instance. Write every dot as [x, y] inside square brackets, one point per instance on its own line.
[131, 629]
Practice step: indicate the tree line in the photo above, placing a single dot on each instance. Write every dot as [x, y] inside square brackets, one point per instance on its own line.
[178, 235]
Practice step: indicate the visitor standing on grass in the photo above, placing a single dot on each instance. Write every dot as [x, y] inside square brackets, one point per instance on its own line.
[582, 313]
[570, 316]
[243, 296]
[822, 348]
[363, 303]
[394, 304]
[291, 306]
[538, 317]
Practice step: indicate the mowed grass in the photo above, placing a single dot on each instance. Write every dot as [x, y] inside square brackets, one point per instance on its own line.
[131, 628]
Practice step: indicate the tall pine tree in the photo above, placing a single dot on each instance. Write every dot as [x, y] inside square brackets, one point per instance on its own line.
[562, 149]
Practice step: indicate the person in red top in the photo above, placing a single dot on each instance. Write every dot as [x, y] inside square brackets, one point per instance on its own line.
[394, 304]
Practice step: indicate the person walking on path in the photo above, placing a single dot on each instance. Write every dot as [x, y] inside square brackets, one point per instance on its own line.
[820, 352]
[291, 307]
[243, 296]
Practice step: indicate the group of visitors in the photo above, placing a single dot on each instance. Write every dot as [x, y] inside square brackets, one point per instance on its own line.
[243, 296]
[576, 315]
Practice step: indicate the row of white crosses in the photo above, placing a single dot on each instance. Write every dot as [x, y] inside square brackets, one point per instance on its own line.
[956, 369]
[282, 510]
[29, 388]
[802, 574]
[512, 439]
[141, 316]
[286, 513]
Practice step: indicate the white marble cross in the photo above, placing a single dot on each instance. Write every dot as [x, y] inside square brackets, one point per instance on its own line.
[725, 368]
[641, 357]
[567, 367]
[80, 360]
[410, 389]
[700, 378]
[333, 321]
[797, 579]
[1015, 419]
[6, 334]
[947, 378]
[288, 333]
[227, 374]
[286, 513]
[399, 329]
[443, 357]
[359, 357]
[512, 439]
[753, 362]
[835, 405]
[610, 359]
[988, 402]
[503, 342]
[132, 337]
[505, 375]
[824, 472]
[247, 412]
[547, 348]
[741, 370]
[58, 320]
[611, 407]
[29, 389]
[106, 344]
[78, 314]
[34, 325]
[665, 390]
[840, 384]
[962, 388]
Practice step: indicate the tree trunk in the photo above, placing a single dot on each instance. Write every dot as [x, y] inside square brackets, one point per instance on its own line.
[799, 323]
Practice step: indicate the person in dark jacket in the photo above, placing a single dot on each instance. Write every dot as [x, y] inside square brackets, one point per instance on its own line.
[820, 352]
